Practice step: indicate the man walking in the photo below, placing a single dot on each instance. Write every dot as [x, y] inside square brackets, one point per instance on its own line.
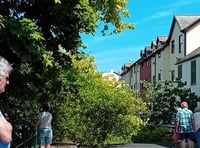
[185, 126]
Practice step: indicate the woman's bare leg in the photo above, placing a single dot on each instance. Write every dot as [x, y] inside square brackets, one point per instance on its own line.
[47, 146]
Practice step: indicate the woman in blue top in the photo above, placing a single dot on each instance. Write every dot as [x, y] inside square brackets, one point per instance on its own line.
[5, 126]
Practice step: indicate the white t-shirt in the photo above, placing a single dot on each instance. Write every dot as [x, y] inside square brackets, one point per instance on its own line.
[197, 120]
[45, 119]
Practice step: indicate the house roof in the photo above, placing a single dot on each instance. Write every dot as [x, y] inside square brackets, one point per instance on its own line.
[148, 48]
[146, 52]
[184, 22]
[160, 44]
[190, 56]
[127, 65]
[153, 44]
[126, 68]
[161, 39]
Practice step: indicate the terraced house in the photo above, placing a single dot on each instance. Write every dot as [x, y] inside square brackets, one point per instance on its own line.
[169, 57]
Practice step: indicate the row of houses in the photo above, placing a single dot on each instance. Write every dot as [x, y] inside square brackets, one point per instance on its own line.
[169, 57]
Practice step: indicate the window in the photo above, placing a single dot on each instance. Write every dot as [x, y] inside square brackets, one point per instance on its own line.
[132, 87]
[180, 71]
[154, 79]
[153, 59]
[159, 76]
[180, 43]
[172, 75]
[172, 46]
[193, 72]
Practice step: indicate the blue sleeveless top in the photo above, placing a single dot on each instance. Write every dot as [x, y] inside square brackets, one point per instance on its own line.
[4, 145]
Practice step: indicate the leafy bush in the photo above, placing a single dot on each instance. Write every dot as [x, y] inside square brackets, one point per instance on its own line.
[151, 135]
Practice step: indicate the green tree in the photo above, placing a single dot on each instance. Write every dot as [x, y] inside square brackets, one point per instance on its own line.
[164, 97]
[33, 35]
[104, 113]
[61, 22]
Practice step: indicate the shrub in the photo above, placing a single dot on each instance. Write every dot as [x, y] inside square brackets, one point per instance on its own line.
[151, 135]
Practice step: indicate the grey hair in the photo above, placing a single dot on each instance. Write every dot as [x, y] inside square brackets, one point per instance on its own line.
[5, 66]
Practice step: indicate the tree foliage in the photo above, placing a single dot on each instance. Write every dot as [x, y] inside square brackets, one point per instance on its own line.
[34, 35]
[62, 21]
[103, 113]
[164, 97]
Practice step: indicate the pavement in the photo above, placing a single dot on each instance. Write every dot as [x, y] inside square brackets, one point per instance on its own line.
[144, 145]
[127, 145]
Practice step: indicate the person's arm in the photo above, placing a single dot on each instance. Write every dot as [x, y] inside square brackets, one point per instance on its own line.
[176, 126]
[5, 130]
[37, 123]
[177, 122]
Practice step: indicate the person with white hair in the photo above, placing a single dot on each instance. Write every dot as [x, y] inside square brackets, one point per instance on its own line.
[185, 126]
[5, 126]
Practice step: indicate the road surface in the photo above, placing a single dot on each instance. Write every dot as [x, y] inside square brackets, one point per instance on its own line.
[127, 145]
[140, 145]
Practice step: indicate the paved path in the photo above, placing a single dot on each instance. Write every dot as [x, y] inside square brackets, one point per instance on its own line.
[140, 145]
[128, 145]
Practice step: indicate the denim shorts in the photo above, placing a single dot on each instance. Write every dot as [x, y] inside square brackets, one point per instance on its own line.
[45, 136]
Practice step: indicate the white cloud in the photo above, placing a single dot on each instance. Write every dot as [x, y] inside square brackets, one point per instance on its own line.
[157, 15]
[162, 14]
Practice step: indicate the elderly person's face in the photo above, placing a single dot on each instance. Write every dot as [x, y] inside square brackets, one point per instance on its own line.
[4, 80]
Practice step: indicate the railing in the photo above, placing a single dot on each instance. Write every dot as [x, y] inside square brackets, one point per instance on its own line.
[25, 137]
[30, 142]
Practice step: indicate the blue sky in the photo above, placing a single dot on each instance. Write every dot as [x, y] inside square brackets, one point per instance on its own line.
[151, 18]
